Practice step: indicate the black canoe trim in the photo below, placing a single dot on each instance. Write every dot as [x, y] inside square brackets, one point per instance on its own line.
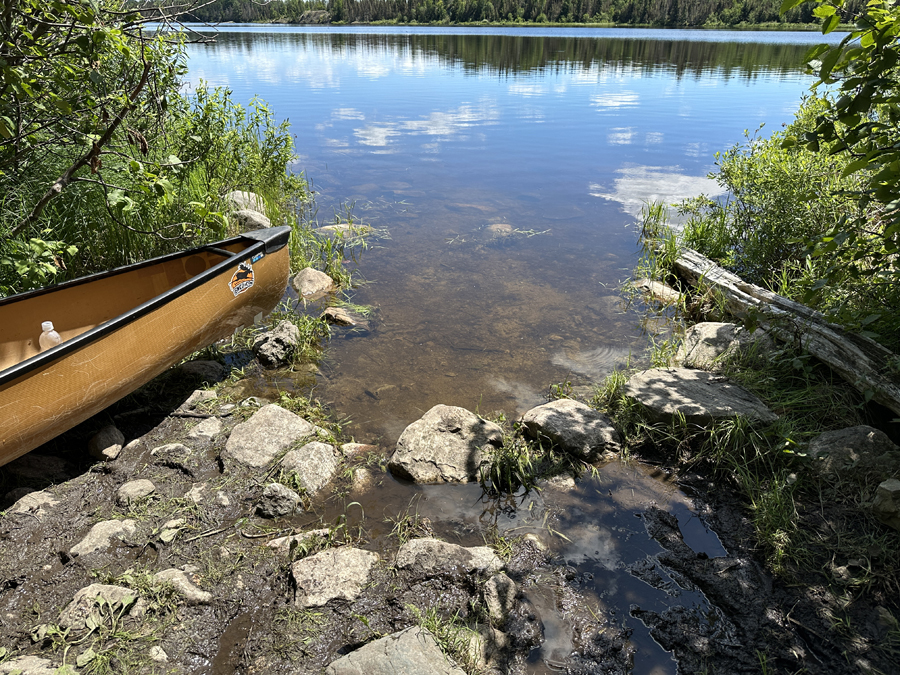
[267, 241]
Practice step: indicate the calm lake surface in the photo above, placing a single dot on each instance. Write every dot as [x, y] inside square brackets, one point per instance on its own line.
[508, 167]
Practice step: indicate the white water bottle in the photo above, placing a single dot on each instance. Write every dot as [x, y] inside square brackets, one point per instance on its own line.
[49, 337]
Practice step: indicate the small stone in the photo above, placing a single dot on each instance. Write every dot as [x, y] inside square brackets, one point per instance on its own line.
[197, 397]
[886, 506]
[158, 654]
[106, 444]
[500, 597]
[222, 499]
[206, 430]
[184, 586]
[197, 493]
[275, 348]
[102, 534]
[278, 500]
[341, 317]
[311, 283]
[353, 449]
[134, 490]
[431, 556]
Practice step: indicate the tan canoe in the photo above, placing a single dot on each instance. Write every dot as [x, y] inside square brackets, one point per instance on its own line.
[122, 328]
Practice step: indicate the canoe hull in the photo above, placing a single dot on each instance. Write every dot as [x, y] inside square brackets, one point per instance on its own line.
[53, 397]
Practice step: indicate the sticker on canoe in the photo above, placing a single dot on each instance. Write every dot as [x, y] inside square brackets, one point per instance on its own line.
[242, 279]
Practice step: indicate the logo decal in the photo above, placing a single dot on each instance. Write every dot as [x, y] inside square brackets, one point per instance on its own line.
[242, 279]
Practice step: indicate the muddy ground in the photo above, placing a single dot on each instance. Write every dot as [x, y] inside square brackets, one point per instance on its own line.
[748, 622]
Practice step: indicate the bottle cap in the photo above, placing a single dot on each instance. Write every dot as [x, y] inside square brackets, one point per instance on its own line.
[47, 326]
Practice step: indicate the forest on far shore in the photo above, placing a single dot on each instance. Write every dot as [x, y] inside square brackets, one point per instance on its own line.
[685, 13]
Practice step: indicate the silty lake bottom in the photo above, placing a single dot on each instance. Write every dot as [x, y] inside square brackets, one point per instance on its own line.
[509, 168]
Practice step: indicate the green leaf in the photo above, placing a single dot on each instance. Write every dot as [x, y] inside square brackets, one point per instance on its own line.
[830, 23]
[790, 4]
[85, 657]
[854, 166]
[824, 10]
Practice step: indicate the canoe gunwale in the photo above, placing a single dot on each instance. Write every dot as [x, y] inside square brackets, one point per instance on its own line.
[266, 241]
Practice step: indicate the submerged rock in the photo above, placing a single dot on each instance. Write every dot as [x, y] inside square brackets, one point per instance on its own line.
[657, 290]
[447, 445]
[413, 651]
[332, 574]
[342, 317]
[576, 428]
[706, 343]
[272, 429]
[311, 283]
[276, 347]
[699, 396]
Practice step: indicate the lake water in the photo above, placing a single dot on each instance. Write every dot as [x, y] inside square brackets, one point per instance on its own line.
[509, 167]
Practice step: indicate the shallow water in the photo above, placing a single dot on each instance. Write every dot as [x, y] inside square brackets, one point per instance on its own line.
[508, 166]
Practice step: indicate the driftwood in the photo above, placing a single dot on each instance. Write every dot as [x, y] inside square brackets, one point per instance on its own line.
[862, 362]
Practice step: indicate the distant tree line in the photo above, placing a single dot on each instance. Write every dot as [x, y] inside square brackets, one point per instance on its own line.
[644, 12]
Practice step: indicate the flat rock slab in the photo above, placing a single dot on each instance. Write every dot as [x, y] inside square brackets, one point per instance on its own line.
[578, 429]
[206, 430]
[447, 445]
[413, 651]
[433, 556]
[271, 430]
[102, 534]
[700, 396]
[85, 605]
[333, 574]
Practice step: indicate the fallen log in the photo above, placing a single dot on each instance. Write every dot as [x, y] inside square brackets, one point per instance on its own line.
[862, 362]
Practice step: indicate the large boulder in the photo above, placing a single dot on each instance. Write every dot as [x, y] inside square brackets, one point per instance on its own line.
[314, 464]
[699, 396]
[859, 451]
[413, 651]
[578, 429]
[429, 557]
[332, 574]
[276, 347]
[270, 430]
[240, 199]
[707, 343]
[447, 444]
